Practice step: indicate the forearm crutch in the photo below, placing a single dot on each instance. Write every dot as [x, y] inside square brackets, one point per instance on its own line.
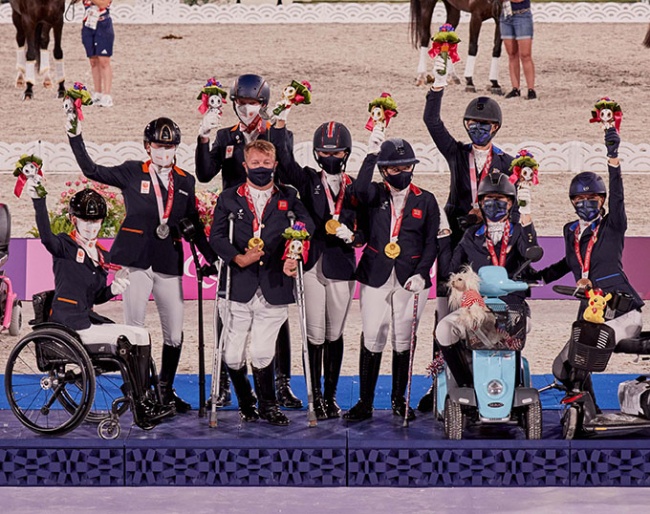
[414, 333]
[215, 386]
[302, 315]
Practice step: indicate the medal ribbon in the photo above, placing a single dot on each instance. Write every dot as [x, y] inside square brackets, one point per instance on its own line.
[163, 214]
[505, 239]
[106, 265]
[335, 210]
[586, 264]
[474, 180]
[257, 227]
[396, 221]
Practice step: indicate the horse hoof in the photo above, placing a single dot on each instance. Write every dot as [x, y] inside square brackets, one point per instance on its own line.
[27, 96]
[496, 91]
[47, 83]
[20, 81]
[421, 79]
[470, 89]
[60, 93]
[454, 79]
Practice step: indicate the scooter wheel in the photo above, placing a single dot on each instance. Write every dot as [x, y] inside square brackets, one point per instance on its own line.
[570, 423]
[16, 318]
[454, 420]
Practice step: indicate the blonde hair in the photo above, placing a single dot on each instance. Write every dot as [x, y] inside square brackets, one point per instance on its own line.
[261, 146]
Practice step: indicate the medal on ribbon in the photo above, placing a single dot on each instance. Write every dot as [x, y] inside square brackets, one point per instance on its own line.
[392, 250]
[162, 230]
[256, 242]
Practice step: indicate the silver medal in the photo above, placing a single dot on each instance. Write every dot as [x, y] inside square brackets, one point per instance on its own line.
[162, 231]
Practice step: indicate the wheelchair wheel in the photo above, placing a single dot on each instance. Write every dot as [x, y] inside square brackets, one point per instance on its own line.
[44, 369]
[109, 428]
[107, 389]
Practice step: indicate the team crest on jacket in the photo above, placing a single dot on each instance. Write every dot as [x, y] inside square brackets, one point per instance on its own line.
[417, 213]
[80, 255]
[229, 151]
[282, 205]
[144, 187]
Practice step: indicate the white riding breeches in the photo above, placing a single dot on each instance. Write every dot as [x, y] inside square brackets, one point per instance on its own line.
[257, 317]
[389, 305]
[109, 333]
[327, 302]
[167, 292]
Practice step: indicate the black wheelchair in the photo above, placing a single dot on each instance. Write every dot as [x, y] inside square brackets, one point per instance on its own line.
[54, 382]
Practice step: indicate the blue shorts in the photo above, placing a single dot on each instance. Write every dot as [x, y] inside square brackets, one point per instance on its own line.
[517, 26]
[99, 42]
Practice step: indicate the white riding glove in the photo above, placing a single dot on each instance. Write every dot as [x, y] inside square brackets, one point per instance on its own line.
[32, 187]
[524, 199]
[72, 123]
[343, 232]
[211, 120]
[440, 71]
[415, 284]
[119, 285]
[377, 137]
[284, 114]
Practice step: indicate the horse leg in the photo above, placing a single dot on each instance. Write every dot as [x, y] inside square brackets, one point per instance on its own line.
[424, 36]
[59, 68]
[20, 51]
[474, 32]
[44, 67]
[495, 87]
[30, 67]
[453, 19]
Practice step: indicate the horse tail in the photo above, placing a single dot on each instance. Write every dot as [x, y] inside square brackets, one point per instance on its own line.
[646, 41]
[415, 23]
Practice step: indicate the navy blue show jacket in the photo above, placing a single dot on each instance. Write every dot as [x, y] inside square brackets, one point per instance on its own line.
[136, 244]
[606, 268]
[338, 257]
[79, 283]
[459, 202]
[418, 236]
[267, 273]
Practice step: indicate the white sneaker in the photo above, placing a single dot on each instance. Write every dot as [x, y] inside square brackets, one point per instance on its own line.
[97, 98]
[106, 101]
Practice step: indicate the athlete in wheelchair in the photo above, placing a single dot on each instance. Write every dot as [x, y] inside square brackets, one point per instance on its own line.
[53, 373]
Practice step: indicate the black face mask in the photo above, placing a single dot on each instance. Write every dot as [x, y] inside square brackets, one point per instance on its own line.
[331, 165]
[260, 176]
[400, 181]
[587, 210]
[480, 133]
[495, 210]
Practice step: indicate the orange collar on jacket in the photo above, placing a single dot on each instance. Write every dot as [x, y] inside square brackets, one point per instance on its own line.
[145, 168]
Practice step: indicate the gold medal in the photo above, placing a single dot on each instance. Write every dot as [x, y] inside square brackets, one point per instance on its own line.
[584, 283]
[392, 250]
[256, 241]
[331, 226]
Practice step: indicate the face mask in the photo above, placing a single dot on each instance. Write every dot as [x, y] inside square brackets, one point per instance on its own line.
[480, 133]
[400, 181]
[330, 164]
[163, 157]
[587, 210]
[88, 229]
[247, 113]
[495, 210]
[260, 176]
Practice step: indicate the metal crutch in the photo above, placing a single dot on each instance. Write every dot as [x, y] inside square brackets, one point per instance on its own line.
[414, 327]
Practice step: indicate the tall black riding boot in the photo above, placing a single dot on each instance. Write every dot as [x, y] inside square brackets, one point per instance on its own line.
[268, 404]
[369, 363]
[170, 357]
[315, 368]
[457, 363]
[400, 382]
[286, 398]
[245, 396]
[332, 360]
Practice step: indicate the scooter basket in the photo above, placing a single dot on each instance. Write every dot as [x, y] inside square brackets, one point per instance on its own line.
[591, 346]
[507, 331]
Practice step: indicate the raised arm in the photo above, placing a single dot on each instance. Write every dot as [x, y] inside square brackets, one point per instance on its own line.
[289, 171]
[617, 216]
[208, 162]
[447, 145]
[53, 244]
[117, 176]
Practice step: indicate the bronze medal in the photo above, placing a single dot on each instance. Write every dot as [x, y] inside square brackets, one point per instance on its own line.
[584, 283]
[331, 226]
[256, 241]
[392, 250]
[162, 231]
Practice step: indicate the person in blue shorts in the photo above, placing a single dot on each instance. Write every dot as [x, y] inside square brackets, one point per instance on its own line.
[516, 24]
[97, 36]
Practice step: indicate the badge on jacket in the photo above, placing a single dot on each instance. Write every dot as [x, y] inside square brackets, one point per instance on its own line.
[80, 255]
[417, 213]
[144, 187]
[283, 205]
[230, 149]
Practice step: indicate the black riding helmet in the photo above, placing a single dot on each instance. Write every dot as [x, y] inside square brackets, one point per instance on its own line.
[162, 131]
[332, 137]
[251, 86]
[396, 152]
[484, 108]
[498, 184]
[88, 204]
[587, 182]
